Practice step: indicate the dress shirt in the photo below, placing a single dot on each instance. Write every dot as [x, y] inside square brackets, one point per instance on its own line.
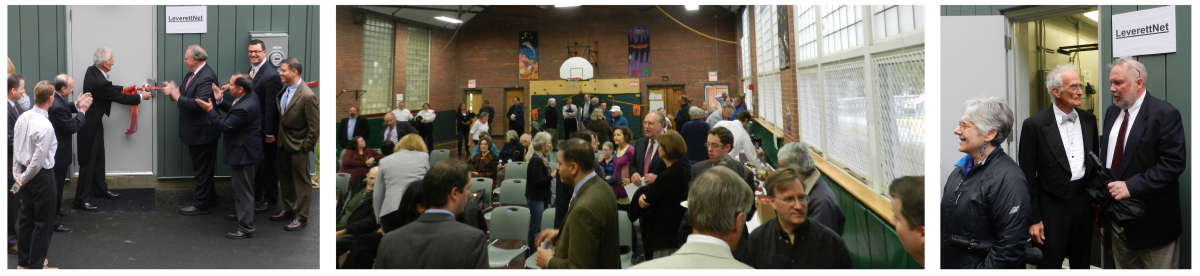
[443, 211]
[402, 115]
[287, 96]
[707, 239]
[34, 144]
[585, 179]
[1072, 139]
[477, 129]
[428, 115]
[1112, 134]
[350, 122]
[389, 134]
[571, 115]
[741, 142]
[255, 68]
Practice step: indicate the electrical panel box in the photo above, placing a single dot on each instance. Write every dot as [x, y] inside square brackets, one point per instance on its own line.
[276, 46]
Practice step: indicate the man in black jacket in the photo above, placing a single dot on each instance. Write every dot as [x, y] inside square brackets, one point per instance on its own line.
[65, 125]
[242, 130]
[90, 140]
[194, 129]
[352, 126]
[357, 216]
[551, 116]
[267, 85]
[1053, 146]
[16, 88]
[516, 116]
[1144, 144]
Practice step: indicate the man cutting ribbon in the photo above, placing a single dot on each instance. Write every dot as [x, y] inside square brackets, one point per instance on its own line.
[90, 142]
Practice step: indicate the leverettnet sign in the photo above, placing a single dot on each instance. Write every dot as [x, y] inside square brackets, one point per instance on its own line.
[1144, 32]
[187, 20]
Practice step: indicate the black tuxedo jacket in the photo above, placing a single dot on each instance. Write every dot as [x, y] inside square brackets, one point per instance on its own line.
[1154, 157]
[242, 128]
[194, 128]
[104, 93]
[267, 85]
[64, 125]
[1044, 159]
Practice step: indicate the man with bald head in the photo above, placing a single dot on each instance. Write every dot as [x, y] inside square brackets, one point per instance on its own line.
[65, 124]
[1144, 145]
[90, 141]
[394, 129]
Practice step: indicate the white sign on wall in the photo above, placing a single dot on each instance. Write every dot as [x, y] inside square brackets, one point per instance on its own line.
[1144, 32]
[187, 20]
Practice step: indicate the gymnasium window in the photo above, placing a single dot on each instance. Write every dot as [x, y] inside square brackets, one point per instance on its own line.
[745, 45]
[768, 49]
[861, 102]
[417, 74]
[379, 37]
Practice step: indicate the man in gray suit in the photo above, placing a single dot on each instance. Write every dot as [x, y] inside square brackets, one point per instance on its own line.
[436, 240]
[718, 203]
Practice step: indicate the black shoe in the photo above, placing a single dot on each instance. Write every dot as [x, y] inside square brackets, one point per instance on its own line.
[62, 228]
[108, 194]
[192, 211]
[239, 234]
[231, 216]
[62, 213]
[86, 206]
[264, 207]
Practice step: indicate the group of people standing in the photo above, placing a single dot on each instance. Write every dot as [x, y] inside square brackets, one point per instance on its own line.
[278, 121]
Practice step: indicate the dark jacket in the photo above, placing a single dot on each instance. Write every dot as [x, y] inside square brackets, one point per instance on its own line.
[664, 197]
[602, 130]
[695, 135]
[362, 220]
[538, 178]
[639, 158]
[1044, 159]
[65, 125]
[267, 85]
[992, 207]
[194, 128]
[514, 151]
[682, 116]
[13, 115]
[104, 93]
[519, 123]
[434, 241]
[242, 128]
[1154, 157]
[590, 236]
[550, 113]
[815, 247]
[360, 129]
[823, 207]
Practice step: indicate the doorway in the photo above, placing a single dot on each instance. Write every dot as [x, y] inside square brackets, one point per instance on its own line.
[509, 93]
[712, 91]
[474, 99]
[668, 97]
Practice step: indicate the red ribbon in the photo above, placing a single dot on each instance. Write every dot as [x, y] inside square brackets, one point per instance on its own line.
[133, 121]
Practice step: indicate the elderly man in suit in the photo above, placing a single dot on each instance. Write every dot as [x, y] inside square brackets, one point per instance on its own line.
[436, 240]
[266, 86]
[242, 128]
[589, 237]
[647, 164]
[90, 141]
[65, 124]
[16, 88]
[352, 126]
[1053, 145]
[393, 129]
[194, 128]
[1144, 145]
[718, 203]
[299, 127]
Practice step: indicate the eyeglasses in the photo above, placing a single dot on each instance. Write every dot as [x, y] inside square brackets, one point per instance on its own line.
[257, 52]
[964, 126]
[1077, 86]
[714, 145]
[793, 200]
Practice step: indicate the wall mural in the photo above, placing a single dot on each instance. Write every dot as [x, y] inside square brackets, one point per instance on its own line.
[639, 51]
[782, 18]
[528, 60]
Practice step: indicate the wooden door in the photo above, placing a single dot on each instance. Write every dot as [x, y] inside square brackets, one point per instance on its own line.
[509, 93]
[711, 93]
[474, 99]
[672, 100]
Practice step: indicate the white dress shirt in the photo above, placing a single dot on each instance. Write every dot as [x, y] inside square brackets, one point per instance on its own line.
[1112, 134]
[34, 144]
[402, 115]
[428, 115]
[255, 69]
[1072, 140]
[741, 141]
[706, 239]
[477, 129]
[572, 115]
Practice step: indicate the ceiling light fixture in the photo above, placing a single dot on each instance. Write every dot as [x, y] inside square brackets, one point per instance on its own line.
[692, 7]
[1094, 15]
[447, 19]
[565, 6]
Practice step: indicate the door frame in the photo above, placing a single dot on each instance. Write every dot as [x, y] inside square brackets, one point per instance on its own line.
[508, 92]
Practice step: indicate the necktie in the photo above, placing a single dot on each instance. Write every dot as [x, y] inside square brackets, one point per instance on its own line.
[287, 97]
[1119, 151]
[234, 102]
[1070, 118]
[388, 134]
[649, 152]
[189, 82]
[251, 72]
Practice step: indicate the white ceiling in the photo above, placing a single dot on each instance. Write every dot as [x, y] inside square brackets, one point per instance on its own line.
[426, 14]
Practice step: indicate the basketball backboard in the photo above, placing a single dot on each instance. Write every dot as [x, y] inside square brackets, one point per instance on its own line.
[576, 67]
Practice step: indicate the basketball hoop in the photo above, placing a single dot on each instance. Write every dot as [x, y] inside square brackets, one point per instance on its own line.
[574, 82]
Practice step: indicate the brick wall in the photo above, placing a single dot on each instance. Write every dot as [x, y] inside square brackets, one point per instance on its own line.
[791, 111]
[349, 60]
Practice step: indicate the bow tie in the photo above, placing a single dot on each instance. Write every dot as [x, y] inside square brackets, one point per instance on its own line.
[1070, 118]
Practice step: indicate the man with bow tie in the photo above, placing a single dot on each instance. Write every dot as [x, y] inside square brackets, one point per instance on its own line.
[1052, 151]
[194, 129]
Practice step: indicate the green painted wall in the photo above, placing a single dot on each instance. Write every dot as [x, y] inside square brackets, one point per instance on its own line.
[959, 10]
[37, 42]
[226, 44]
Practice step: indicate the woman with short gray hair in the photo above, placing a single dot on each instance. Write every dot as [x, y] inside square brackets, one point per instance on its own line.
[985, 202]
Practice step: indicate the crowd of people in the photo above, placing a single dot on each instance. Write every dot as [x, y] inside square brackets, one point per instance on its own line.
[267, 103]
[691, 191]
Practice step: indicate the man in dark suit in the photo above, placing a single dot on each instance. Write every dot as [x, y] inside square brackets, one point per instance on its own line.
[266, 86]
[90, 139]
[194, 128]
[1053, 146]
[1144, 145]
[65, 125]
[589, 238]
[646, 163]
[393, 129]
[16, 88]
[352, 126]
[516, 116]
[243, 146]
[436, 240]
[299, 127]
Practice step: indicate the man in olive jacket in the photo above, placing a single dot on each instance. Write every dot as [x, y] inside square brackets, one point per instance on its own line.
[589, 238]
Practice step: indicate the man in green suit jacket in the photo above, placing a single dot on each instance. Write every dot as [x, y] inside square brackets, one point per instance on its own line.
[589, 238]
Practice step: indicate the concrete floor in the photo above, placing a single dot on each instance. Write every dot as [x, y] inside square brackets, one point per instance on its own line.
[143, 229]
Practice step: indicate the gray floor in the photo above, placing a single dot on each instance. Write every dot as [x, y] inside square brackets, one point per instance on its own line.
[143, 229]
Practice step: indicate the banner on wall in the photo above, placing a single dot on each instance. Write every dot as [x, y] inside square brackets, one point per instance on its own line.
[1144, 32]
[528, 60]
[639, 51]
[187, 20]
[782, 18]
